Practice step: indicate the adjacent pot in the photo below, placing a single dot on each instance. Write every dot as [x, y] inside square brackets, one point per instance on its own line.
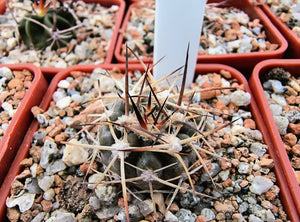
[108, 50]
[260, 71]
[21, 120]
[293, 40]
[244, 62]
[285, 194]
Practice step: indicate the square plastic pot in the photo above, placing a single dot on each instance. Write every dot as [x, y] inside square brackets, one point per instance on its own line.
[244, 62]
[261, 69]
[22, 119]
[285, 194]
[293, 51]
[118, 22]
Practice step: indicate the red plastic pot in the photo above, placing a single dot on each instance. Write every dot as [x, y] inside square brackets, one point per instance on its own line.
[118, 22]
[293, 40]
[244, 62]
[292, 66]
[286, 197]
[20, 122]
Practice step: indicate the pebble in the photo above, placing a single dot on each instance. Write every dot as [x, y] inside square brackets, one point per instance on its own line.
[186, 215]
[106, 193]
[260, 185]
[169, 217]
[49, 149]
[24, 201]
[45, 182]
[64, 216]
[208, 214]
[74, 155]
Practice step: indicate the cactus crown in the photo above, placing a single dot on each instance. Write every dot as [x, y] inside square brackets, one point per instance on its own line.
[47, 26]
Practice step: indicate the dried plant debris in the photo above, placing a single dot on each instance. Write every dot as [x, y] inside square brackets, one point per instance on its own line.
[110, 151]
[225, 30]
[284, 99]
[288, 11]
[13, 87]
[81, 34]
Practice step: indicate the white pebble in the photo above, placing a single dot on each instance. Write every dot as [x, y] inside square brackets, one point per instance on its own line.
[49, 194]
[6, 72]
[63, 84]
[24, 201]
[74, 155]
[240, 98]
[260, 185]
[64, 102]
[279, 99]
[45, 182]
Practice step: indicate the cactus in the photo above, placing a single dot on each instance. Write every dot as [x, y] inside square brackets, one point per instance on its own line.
[149, 142]
[47, 27]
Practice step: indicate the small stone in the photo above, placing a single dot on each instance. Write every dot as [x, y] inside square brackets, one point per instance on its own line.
[290, 139]
[225, 206]
[106, 193]
[12, 214]
[24, 201]
[208, 214]
[74, 155]
[276, 109]
[63, 84]
[240, 98]
[49, 149]
[169, 217]
[47, 205]
[266, 162]
[244, 168]
[260, 185]
[94, 202]
[39, 217]
[49, 194]
[64, 216]
[294, 128]
[186, 215]
[45, 182]
[213, 172]
[16, 187]
[200, 218]
[64, 102]
[6, 72]
[258, 149]
[279, 99]
[253, 218]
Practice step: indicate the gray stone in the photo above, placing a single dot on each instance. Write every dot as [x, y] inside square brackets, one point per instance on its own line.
[258, 148]
[55, 167]
[282, 124]
[31, 185]
[260, 185]
[45, 182]
[94, 202]
[243, 207]
[146, 207]
[65, 217]
[169, 217]
[49, 149]
[106, 193]
[39, 217]
[244, 168]
[276, 109]
[213, 172]
[279, 99]
[107, 213]
[253, 218]
[208, 214]
[184, 215]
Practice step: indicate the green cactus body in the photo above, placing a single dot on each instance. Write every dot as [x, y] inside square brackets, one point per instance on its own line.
[34, 33]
